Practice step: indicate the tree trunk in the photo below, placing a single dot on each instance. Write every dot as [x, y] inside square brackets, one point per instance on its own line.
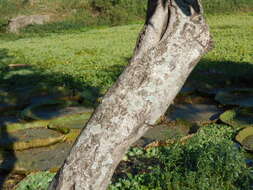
[174, 38]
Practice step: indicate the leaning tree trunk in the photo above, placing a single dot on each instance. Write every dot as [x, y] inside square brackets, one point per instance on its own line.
[174, 38]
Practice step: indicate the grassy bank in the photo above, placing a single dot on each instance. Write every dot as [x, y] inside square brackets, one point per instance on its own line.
[73, 13]
[94, 58]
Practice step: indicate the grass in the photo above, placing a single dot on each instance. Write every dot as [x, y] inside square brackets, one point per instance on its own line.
[72, 13]
[94, 58]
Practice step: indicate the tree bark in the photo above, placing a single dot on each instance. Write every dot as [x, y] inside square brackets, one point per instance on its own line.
[174, 38]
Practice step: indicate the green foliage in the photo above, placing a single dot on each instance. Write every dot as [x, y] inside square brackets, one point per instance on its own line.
[210, 160]
[37, 181]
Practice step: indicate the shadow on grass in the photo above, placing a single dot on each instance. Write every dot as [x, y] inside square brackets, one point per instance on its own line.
[223, 74]
[21, 76]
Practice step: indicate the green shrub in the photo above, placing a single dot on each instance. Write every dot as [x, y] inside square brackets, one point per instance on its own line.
[210, 160]
[37, 181]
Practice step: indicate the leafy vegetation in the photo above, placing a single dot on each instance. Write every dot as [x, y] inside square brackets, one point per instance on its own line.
[210, 160]
[38, 181]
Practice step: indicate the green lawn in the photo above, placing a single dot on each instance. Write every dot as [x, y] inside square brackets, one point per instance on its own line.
[95, 57]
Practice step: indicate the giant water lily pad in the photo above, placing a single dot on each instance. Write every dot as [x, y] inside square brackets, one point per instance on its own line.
[238, 118]
[72, 121]
[29, 138]
[239, 97]
[38, 159]
[43, 110]
[167, 131]
[245, 138]
[199, 113]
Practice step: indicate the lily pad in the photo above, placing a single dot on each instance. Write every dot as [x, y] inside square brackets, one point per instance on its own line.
[239, 97]
[72, 121]
[42, 110]
[198, 113]
[37, 159]
[166, 131]
[245, 138]
[238, 118]
[29, 138]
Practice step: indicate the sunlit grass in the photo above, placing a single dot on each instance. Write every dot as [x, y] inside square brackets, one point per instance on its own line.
[96, 57]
